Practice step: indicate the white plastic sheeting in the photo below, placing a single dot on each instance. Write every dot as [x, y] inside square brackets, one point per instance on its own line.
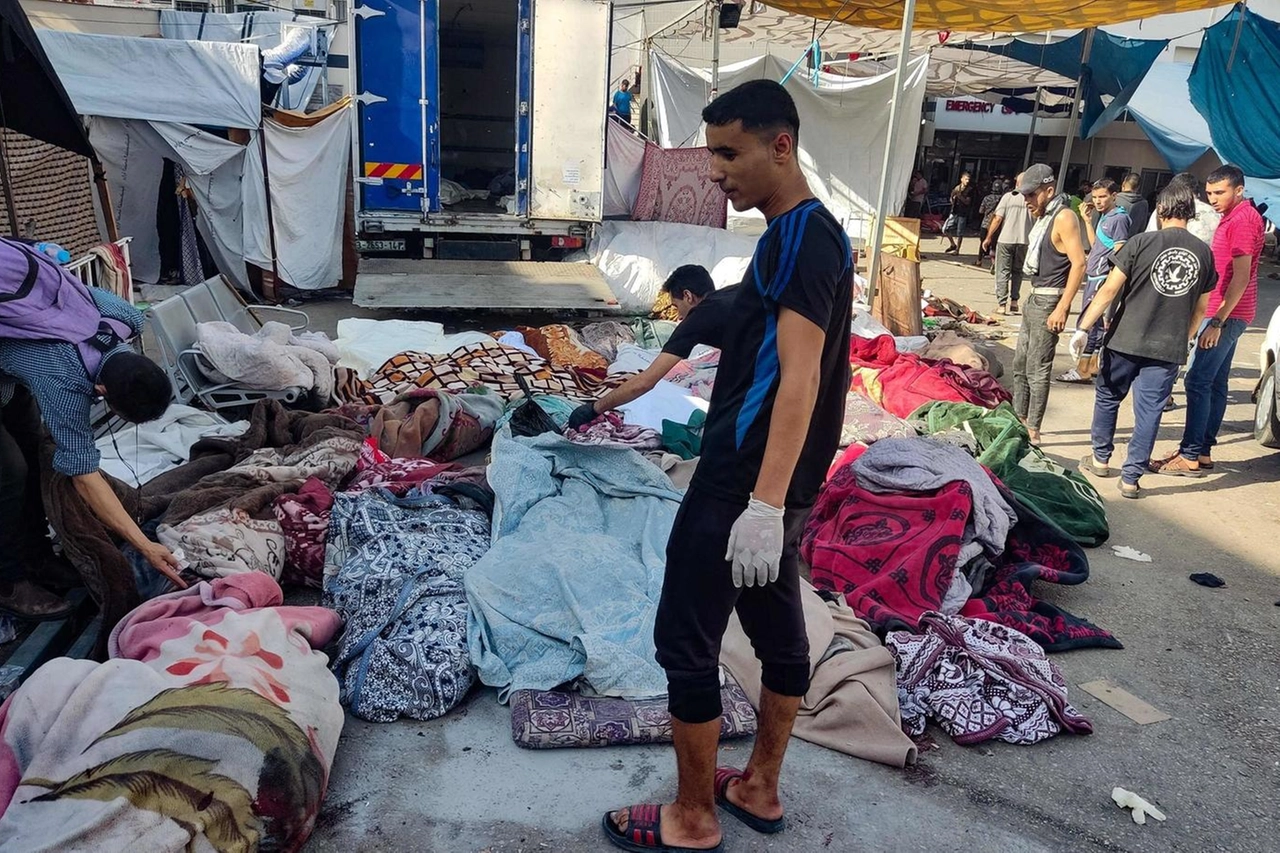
[157, 79]
[365, 345]
[637, 257]
[844, 125]
[259, 28]
[623, 166]
[308, 168]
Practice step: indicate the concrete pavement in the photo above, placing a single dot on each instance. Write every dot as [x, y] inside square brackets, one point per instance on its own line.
[1207, 657]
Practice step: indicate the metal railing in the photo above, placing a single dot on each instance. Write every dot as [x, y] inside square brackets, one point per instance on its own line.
[89, 268]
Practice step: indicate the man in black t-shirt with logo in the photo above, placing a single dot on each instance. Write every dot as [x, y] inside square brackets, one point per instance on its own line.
[1162, 280]
[771, 432]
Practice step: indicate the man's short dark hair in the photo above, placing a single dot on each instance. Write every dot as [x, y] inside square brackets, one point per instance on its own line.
[1106, 184]
[1131, 181]
[763, 107]
[626, 84]
[136, 388]
[1177, 201]
[691, 279]
[1229, 173]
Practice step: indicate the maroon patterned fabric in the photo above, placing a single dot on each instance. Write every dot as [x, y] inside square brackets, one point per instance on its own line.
[547, 719]
[304, 520]
[892, 556]
[676, 186]
[980, 681]
[1037, 550]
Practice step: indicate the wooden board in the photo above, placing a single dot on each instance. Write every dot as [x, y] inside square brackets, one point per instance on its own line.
[1125, 702]
[897, 302]
[495, 285]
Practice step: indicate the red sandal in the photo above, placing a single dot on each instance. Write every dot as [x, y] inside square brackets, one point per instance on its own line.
[644, 832]
[724, 777]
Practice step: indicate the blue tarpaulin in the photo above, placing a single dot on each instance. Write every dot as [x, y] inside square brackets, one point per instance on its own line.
[1162, 107]
[1116, 67]
[1233, 85]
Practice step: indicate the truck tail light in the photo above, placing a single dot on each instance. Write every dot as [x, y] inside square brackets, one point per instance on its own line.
[568, 242]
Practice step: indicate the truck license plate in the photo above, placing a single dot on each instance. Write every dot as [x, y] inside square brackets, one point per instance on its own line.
[380, 245]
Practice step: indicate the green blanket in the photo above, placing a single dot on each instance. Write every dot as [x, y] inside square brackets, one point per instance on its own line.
[1056, 494]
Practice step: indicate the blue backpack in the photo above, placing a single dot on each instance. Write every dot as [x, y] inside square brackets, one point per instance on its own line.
[40, 301]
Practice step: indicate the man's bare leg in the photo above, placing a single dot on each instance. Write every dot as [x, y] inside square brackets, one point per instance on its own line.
[691, 821]
[758, 791]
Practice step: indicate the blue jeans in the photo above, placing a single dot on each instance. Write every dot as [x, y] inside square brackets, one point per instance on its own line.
[1097, 331]
[1151, 382]
[1206, 385]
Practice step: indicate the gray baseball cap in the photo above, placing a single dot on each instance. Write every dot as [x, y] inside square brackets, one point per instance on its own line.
[1035, 178]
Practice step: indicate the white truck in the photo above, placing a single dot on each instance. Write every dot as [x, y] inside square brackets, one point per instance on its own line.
[478, 151]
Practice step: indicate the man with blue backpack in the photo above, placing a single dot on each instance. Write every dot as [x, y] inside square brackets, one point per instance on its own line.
[1109, 227]
[62, 347]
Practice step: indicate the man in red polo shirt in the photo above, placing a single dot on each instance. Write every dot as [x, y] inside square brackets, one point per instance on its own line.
[1237, 246]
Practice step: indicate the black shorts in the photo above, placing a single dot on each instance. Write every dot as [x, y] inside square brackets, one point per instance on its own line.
[698, 597]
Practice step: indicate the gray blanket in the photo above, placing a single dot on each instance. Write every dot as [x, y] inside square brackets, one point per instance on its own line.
[922, 465]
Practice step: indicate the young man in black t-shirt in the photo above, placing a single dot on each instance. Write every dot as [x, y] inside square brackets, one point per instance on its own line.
[1162, 280]
[772, 429]
[690, 287]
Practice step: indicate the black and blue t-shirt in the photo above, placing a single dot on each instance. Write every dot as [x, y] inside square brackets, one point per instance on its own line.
[803, 262]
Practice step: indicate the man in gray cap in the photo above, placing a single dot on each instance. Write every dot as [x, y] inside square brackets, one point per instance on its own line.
[1056, 266]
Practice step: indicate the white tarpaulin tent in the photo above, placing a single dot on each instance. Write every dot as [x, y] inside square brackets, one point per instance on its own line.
[259, 28]
[120, 77]
[136, 125]
[844, 126]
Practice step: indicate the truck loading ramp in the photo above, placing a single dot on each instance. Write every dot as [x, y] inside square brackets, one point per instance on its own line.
[492, 285]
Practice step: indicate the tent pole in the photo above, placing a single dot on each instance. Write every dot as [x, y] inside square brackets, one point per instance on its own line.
[1073, 126]
[1031, 135]
[890, 142]
[269, 293]
[104, 199]
[715, 54]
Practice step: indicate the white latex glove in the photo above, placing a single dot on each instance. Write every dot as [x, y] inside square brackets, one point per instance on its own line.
[1076, 345]
[755, 544]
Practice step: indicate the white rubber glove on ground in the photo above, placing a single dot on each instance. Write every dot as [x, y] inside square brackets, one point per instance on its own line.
[755, 544]
[1075, 347]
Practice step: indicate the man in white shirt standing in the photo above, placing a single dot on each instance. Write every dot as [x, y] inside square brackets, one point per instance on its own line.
[1012, 222]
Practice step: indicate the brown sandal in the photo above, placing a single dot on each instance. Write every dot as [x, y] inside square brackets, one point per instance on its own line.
[1177, 467]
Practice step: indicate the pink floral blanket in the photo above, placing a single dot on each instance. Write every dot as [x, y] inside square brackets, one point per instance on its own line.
[213, 727]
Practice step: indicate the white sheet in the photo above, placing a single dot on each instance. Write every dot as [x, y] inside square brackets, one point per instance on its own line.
[364, 345]
[624, 164]
[667, 401]
[636, 257]
[843, 127]
[152, 448]
[308, 169]
[262, 28]
[206, 83]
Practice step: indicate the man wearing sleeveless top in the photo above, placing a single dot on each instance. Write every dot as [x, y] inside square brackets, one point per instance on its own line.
[1056, 266]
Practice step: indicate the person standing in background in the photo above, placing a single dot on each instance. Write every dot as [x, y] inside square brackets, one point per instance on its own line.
[1108, 229]
[1012, 221]
[1205, 222]
[1237, 247]
[917, 194]
[1138, 208]
[986, 213]
[622, 102]
[958, 220]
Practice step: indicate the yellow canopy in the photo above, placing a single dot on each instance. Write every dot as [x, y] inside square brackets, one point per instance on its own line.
[991, 16]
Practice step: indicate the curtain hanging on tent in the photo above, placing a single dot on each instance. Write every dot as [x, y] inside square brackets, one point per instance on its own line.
[1233, 85]
[1162, 108]
[990, 16]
